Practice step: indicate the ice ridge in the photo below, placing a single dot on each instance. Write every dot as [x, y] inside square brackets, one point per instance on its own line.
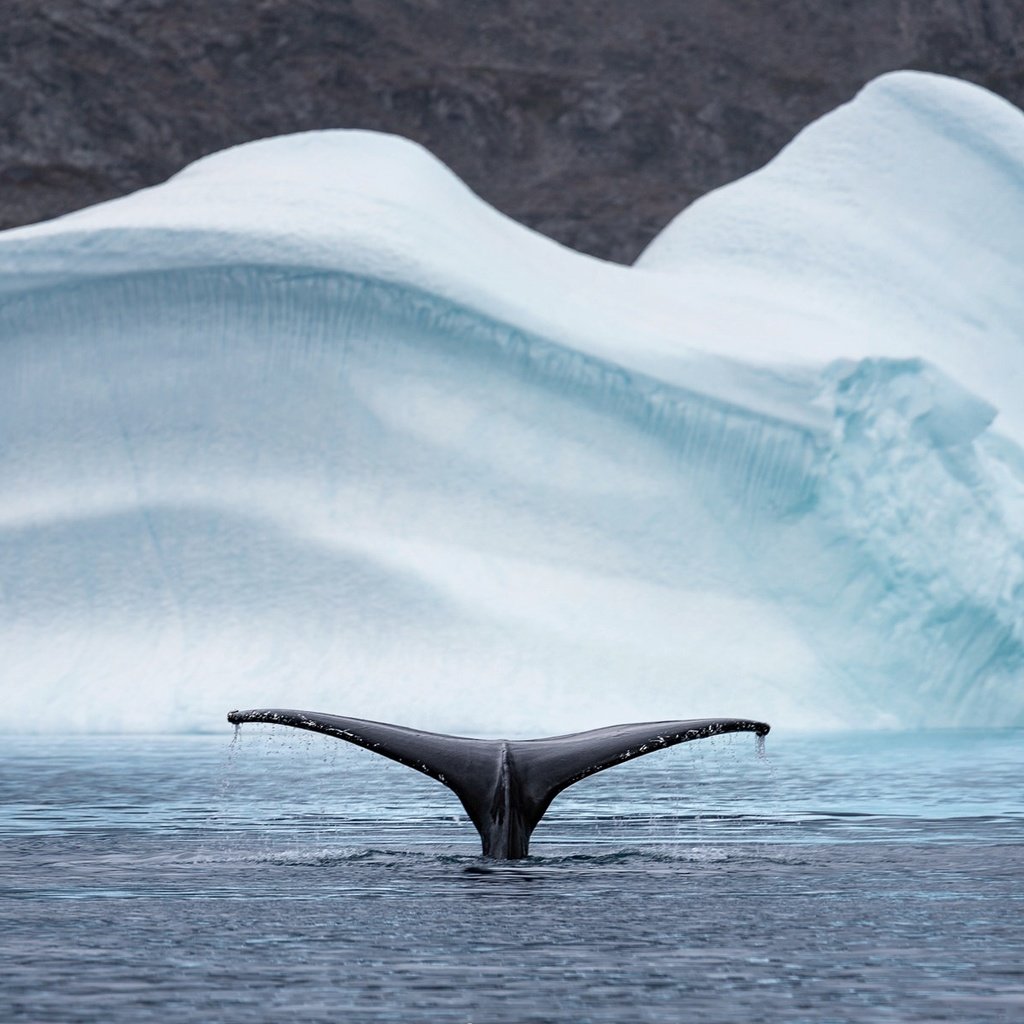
[311, 425]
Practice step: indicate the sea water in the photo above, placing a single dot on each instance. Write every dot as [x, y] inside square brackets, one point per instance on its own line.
[871, 877]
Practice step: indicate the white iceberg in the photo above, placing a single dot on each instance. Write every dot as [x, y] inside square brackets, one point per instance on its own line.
[311, 425]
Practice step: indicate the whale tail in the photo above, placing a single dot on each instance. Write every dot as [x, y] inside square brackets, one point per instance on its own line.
[505, 785]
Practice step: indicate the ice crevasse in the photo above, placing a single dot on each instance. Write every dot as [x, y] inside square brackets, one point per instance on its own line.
[311, 425]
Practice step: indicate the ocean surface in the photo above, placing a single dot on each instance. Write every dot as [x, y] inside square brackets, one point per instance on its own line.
[285, 876]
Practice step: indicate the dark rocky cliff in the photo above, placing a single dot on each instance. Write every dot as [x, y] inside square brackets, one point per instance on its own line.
[594, 121]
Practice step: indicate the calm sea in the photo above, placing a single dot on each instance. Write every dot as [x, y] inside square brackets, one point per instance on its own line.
[287, 876]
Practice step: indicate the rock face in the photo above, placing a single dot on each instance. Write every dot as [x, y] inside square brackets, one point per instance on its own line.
[593, 121]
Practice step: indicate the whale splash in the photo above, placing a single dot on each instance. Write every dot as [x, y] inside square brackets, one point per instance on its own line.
[311, 424]
[504, 786]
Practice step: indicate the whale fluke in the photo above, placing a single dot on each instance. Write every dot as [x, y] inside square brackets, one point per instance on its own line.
[505, 785]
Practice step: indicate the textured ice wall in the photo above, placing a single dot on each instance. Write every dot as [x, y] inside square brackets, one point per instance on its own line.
[311, 425]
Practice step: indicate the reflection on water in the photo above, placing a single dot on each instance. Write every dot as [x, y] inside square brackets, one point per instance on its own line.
[854, 877]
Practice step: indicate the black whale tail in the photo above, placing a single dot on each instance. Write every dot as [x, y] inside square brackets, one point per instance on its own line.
[505, 785]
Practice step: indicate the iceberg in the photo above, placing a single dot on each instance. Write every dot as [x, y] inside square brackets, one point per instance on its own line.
[311, 425]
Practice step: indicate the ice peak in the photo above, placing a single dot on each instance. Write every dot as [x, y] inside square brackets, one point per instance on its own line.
[311, 418]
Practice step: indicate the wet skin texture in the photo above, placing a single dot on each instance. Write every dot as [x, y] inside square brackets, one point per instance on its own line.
[505, 785]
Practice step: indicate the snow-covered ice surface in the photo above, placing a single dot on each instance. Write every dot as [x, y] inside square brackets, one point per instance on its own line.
[310, 425]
